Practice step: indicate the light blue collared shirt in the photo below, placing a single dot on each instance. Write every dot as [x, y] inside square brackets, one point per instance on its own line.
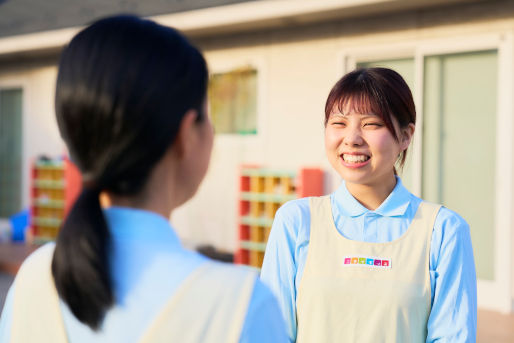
[453, 316]
[148, 265]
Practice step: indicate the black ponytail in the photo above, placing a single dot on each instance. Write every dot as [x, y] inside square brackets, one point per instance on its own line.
[81, 265]
[123, 87]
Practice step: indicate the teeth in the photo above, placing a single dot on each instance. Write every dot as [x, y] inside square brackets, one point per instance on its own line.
[355, 158]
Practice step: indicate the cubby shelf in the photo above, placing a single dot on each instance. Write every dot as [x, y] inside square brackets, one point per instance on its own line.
[54, 187]
[247, 220]
[52, 184]
[258, 246]
[262, 192]
[280, 198]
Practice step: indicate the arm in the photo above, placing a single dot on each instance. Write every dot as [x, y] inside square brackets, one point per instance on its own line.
[280, 267]
[263, 322]
[453, 317]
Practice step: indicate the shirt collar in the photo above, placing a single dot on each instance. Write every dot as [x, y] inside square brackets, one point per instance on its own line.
[394, 205]
[144, 226]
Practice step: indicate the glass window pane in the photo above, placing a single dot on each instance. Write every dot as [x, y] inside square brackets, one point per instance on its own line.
[459, 151]
[10, 152]
[404, 67]
[233, 101]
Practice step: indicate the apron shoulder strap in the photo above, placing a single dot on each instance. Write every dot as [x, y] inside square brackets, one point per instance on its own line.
[209, 306]
[36, 312]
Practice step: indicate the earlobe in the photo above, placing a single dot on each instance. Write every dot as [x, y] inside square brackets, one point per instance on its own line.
[185, 133]
[407, 134]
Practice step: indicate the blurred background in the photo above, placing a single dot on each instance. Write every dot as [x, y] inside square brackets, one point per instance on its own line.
[272, 64]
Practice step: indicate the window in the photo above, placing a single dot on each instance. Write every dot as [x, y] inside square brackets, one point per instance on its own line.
[233, 101]
[10, 151]
[458, 139]
[459, 143]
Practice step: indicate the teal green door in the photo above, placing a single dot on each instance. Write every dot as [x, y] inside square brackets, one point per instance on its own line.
[10, 151]
[459, 140]
[459, 143]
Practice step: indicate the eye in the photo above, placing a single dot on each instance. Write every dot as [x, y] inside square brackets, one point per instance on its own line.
[373, 124]
[339, 124]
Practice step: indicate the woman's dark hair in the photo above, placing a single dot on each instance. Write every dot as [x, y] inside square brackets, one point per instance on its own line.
[380, 91]
[123, 87]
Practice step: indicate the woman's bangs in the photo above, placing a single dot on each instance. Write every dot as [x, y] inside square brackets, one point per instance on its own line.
[360, 103]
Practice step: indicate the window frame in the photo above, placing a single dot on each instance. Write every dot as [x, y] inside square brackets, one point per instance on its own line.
[219, 64]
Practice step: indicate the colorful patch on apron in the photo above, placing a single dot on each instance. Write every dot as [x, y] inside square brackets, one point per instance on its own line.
[367, 261]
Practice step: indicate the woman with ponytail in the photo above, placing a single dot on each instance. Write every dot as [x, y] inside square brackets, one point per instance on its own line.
[131, 107]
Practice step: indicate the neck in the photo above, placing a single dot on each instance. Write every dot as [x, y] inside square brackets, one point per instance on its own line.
[151, 204]
[162, 193]
[371, 196]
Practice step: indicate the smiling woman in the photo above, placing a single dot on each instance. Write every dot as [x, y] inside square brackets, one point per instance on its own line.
[371, 262]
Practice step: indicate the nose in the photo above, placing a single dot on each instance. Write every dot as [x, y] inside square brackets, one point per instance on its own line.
[353, 137]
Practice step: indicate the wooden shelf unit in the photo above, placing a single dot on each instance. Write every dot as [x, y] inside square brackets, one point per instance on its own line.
[262, 192]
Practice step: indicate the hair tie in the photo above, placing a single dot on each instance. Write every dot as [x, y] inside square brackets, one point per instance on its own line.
[90, 184]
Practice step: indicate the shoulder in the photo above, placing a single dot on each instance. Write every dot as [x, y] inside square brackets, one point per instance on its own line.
[224, 282]
[230, 273]
[40, 256]
[292, 218]
[35, 270]
[294, 212]
[450, 221]
[450, 233]
[293, 208]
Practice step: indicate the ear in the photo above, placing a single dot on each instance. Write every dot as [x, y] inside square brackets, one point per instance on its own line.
[406, 135]
[186, 133]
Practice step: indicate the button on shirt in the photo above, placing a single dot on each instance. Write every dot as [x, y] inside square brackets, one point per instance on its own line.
[148, 265]
[452, 268]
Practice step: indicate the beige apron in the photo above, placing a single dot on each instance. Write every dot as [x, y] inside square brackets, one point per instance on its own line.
[363, 292]
[209, 306]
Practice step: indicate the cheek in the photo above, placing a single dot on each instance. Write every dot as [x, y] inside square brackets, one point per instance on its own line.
[209, 134]
[387, 145]
[331, 139]
[209, 146]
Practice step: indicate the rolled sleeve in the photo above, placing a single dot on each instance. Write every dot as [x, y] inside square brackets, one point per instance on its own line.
[453, 317]
[279, 268]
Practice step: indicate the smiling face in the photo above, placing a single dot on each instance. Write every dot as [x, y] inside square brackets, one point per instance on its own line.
[361, 148]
